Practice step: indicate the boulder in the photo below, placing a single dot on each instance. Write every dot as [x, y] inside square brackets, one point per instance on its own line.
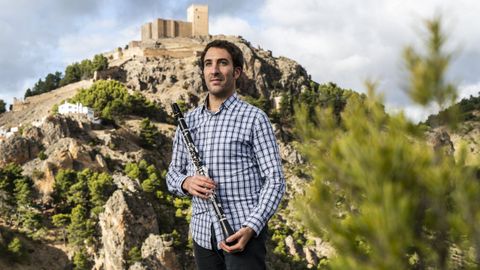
[126, 223]
[18, 149]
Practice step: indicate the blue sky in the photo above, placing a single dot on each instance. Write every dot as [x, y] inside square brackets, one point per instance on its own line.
[345, 42]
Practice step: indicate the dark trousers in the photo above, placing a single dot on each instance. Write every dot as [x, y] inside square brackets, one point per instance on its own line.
[251, 258]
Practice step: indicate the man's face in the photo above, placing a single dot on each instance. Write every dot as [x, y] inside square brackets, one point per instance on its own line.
[219, 73]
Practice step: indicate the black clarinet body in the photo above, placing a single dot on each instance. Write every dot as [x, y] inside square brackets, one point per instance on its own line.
[202, 170]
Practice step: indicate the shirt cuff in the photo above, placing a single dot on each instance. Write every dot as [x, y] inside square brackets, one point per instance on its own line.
[179, 188]
[254, 224]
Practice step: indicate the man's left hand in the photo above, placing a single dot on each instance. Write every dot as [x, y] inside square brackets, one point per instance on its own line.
[242, 236]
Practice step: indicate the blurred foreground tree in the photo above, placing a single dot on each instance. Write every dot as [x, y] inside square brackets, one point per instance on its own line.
[382, 196]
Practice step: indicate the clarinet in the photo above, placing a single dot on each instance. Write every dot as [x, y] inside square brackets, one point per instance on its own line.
[202, 170]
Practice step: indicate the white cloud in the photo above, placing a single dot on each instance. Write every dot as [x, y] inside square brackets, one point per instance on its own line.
[349, 41]
[465, 91]
[228, 25]
[107, 36]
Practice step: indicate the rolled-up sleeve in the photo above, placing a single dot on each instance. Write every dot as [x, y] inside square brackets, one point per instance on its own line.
[178, 166]
[269, 161]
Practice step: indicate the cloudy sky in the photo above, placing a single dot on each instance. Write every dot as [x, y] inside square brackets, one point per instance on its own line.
[343, 41]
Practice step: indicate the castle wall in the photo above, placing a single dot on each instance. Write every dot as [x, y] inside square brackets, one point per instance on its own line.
[147, 31]
[170, 28]
[183, 29]
[197, 25]
[158, 29]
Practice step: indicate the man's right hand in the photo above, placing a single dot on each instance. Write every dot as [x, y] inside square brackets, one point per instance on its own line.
[199, 186]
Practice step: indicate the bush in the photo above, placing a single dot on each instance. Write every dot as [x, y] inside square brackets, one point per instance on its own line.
[111, 100]
[15, 249]
[134, 255]
[151, 180]
[80, 260]
[149, 135]
[3, 106]
[261, 103]
[42, 155]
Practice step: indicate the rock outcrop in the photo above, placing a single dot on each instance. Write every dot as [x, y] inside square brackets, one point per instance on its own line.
[126, 222]
[18, 149]
[157, 253]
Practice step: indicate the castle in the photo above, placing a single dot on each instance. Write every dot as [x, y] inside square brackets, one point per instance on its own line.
[155, 37]
[196, 25]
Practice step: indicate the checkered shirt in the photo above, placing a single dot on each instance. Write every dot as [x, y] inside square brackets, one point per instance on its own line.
[237, 144]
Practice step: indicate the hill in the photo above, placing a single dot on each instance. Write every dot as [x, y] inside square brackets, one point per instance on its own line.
[97, 190]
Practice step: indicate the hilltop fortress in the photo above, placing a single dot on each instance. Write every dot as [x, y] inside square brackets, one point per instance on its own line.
[196, 25]
[163, 37]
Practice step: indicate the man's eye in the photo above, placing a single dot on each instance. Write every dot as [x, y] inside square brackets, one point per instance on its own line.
[207, 64]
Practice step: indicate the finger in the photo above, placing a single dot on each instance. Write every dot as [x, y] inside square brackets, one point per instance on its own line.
[238, 247]
[199, 193]
[225, 247]
[208, 185]
[233, 237]
[204, 187]
[205, 179]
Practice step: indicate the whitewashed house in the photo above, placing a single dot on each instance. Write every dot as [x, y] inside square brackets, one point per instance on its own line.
[67, 108]
[4, 134]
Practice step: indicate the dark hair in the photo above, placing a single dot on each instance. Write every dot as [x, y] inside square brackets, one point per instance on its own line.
[232, 49]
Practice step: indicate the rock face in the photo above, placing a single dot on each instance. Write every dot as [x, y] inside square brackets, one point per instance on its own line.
[157, 253]
[56, 127]
[289, 154]
[21, 148]
[440, 140]
[125, 223]
[18, 149]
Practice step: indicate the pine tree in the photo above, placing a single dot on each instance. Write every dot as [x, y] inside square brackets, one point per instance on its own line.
[100, 186]
[149, 134]
[3, 106]
[80, 229]
[99, 62]
[61, 221]
[80, 260]
[64, 179]
[382, 196]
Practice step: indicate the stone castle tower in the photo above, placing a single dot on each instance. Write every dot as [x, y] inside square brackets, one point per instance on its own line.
[198, 15]
[196, 25]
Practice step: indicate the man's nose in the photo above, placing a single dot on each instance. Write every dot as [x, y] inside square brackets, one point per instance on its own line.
[215, 69]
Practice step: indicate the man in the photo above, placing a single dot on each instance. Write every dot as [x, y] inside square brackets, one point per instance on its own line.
[237, 144]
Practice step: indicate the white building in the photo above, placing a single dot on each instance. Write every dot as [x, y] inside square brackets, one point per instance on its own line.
[67, 108]
[4, 134]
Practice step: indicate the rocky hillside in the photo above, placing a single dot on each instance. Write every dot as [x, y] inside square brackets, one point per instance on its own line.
[132, 222]
[467, 133]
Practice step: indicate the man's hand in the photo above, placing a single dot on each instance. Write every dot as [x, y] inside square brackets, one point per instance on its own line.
[242, 236]
[199, 186]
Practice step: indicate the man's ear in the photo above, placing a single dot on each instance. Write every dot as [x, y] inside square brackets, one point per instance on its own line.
[237, 72]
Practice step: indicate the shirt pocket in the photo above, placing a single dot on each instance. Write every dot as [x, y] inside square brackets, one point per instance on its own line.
[238, 143]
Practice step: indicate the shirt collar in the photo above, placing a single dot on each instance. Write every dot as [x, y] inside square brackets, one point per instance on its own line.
[229, 102]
